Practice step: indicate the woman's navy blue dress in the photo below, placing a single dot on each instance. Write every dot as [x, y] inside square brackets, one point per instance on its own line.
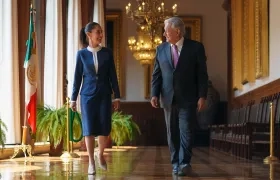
[96, 90]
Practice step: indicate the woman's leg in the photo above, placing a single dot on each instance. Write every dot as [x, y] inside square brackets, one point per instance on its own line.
[88, 123]
[105, 127]
[102, 141]
[90, 148]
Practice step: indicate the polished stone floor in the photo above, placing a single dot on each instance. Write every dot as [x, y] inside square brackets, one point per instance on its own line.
[140, 163]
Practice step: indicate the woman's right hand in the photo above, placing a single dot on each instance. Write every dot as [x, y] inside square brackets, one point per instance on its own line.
[73, 106]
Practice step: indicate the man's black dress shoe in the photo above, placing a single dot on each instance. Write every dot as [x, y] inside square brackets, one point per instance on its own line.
[184, 170]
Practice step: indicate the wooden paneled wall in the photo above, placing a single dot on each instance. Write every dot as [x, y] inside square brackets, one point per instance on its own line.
[256, 95]
[152, 124]
[150, 120]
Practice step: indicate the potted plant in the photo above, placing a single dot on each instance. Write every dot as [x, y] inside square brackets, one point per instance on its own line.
[52, 126]
[3, 128]
[124, 129]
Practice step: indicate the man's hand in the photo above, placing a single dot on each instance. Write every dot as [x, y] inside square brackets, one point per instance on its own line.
[200, 104]
[117, 105]
[73, 106]
[154, 102]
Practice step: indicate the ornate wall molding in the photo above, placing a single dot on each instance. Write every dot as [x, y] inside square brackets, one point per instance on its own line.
[249, 22]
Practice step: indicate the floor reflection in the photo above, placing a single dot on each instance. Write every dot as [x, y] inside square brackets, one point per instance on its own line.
[137, 163]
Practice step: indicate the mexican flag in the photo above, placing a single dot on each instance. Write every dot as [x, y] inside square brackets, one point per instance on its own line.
[30, 65]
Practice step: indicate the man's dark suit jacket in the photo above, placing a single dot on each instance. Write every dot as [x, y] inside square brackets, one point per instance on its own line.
[187, 82]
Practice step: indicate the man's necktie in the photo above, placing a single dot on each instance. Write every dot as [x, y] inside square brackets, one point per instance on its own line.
[175, 55]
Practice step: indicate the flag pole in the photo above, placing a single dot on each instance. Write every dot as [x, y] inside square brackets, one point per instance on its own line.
[24, 127]
[24, 146]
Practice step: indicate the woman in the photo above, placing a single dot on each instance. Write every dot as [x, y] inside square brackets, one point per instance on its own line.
[95, 71]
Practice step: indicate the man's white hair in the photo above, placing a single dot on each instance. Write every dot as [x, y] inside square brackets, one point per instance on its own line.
[177, 23]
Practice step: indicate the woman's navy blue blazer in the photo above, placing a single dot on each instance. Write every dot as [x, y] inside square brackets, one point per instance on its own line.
[103, 82]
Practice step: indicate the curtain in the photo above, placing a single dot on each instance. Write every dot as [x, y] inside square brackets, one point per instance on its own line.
[39, 35]
[53, 65]
[9, 71]
[99, 17]
[73, 44]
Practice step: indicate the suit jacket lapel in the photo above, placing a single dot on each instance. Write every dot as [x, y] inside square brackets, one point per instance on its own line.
[184, 53]
[168, 54]
[91, 60]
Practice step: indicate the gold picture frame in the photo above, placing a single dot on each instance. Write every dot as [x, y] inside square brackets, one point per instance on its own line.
[193, 26]
[113, 19]
[249, 27]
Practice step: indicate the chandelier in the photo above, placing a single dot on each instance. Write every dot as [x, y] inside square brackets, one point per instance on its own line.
[143, 48]
[149, 17]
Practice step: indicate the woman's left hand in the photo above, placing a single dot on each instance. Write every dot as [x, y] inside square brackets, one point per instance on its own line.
[116, 104]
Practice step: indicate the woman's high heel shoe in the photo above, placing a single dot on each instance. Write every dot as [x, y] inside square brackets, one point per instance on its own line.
[91, 169]
[102, 166]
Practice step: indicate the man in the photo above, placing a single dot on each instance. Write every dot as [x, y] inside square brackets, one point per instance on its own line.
[180, 79]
